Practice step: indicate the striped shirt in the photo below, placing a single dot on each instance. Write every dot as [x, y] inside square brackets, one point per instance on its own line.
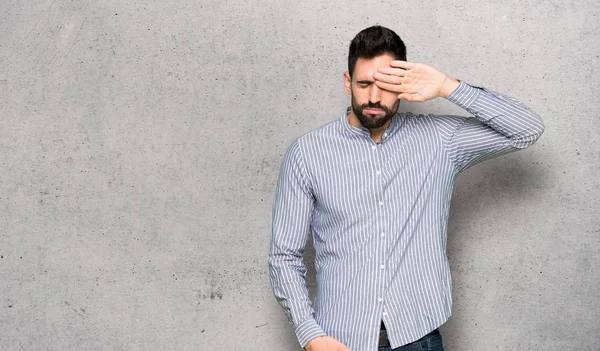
[378, 212]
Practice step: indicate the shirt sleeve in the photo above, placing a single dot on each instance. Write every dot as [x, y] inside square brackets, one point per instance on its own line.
[500, 125]
[292, 213]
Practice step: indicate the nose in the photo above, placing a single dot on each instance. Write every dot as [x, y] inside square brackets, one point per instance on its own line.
[374, 94]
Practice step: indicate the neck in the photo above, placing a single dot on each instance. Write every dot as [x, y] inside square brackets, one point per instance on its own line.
[376, 133]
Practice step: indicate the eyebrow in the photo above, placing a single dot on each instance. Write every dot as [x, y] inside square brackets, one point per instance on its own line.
[364, 81]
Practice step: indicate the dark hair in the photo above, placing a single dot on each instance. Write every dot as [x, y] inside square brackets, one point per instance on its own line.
[374, 41]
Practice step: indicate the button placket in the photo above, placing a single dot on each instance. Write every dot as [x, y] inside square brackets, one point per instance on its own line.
[381, 245]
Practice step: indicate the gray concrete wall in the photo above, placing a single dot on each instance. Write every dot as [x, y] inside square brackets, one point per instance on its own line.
[140, 144]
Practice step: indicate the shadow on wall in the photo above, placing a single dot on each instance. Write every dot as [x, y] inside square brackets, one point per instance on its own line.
[309, 261]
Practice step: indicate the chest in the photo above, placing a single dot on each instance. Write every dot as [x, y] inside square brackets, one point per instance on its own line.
[351, 176]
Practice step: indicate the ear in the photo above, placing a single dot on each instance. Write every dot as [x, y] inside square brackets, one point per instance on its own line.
[348, 83]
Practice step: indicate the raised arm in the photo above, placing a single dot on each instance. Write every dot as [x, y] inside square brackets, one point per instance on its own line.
[500, 124]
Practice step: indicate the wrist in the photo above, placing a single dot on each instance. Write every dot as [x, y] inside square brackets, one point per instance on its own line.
[450, 84]
[307, 331]
[309, 345]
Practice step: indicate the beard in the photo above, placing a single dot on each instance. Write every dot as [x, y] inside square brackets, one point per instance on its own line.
[374, 121]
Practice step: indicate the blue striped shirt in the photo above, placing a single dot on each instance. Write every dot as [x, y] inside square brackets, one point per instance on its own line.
[378, 212]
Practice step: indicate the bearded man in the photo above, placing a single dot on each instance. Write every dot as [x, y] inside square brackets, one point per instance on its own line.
[374, 188]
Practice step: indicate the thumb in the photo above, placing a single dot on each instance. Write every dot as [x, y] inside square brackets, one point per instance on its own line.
[404, 96]
[414, 97]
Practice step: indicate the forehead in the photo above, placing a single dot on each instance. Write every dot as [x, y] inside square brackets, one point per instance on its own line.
[365, 68]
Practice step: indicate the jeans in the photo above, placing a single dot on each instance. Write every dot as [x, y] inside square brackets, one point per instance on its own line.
[428, 343]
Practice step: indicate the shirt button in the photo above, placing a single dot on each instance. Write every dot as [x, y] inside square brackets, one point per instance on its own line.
[382, 267]
[374, 147]
[380, 203]
[380, 299]
[378, 172]
[382, 235]
[384, 313]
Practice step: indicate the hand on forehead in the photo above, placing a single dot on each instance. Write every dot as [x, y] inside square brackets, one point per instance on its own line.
[366, 68]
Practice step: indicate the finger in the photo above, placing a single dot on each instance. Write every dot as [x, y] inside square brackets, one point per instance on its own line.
[387, 78]
[393, 71]
[402, 64]
[395, 88]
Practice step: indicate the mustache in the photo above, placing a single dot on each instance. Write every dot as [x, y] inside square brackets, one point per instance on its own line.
[373, 105]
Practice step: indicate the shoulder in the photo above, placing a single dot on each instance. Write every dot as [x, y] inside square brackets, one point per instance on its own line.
[323, 133]
[434, 121]
[418, 121]
[327, 129]
[312, 139]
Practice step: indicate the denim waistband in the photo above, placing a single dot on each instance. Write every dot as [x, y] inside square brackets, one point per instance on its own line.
[384, 341]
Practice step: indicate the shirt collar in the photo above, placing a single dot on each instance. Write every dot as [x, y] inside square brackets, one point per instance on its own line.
[361, 131]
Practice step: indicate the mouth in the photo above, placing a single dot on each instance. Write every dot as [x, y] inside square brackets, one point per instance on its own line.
[374, 111]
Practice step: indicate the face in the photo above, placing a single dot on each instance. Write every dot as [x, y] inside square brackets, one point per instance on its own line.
[372, 106]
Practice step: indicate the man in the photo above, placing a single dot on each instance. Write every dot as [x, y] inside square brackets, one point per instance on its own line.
[374, 188]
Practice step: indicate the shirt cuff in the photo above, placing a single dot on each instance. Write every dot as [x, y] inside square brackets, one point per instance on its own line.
[464, 95]
[308, 330]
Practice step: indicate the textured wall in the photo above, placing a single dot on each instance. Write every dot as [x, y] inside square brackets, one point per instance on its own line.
[140, 143]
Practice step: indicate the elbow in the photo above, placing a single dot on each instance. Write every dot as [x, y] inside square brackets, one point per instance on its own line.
[539, 130]
[531, 135]
[272, 261]
[540, 126]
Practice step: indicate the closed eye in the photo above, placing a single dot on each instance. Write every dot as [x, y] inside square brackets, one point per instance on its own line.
[364, 83]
